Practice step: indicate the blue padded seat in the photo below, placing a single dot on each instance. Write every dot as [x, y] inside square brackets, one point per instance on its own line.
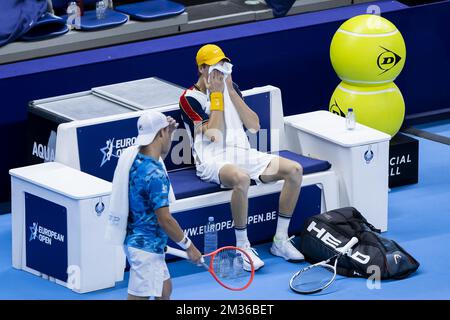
[151, 10]
[310, 165]
[48, 26]
[89, 21]
[186, 184]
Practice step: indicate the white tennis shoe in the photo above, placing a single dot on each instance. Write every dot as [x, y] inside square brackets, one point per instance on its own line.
[257, 262]
[286, 250]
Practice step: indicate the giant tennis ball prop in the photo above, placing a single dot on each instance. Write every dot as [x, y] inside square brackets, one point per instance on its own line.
[380, 107]
[368, 50]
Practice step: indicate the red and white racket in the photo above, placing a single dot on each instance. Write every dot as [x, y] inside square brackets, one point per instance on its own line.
[226, 265]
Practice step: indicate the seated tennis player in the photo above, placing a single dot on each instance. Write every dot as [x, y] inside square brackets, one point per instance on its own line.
[149, 220]
[214, 112]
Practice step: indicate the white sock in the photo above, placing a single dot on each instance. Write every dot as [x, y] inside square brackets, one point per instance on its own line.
[282, 227]
[241, 237]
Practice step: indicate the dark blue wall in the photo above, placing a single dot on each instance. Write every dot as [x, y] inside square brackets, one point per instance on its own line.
[291, 53]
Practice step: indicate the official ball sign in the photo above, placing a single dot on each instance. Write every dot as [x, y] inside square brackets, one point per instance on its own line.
[403, 161]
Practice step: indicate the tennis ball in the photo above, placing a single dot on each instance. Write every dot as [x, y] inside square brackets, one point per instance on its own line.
[380, 107]
[368, 50]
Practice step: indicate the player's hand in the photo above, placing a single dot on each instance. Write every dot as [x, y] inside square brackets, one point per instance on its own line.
[229, 83]
[173, 125]
[215, 83]
[194, 255]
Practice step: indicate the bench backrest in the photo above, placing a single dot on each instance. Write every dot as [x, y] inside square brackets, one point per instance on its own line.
[94, 146]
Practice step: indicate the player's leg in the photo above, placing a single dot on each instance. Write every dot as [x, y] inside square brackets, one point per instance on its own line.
[233, 177]
[148, 275]
[167, 290]
[291, 172]
[132, 297]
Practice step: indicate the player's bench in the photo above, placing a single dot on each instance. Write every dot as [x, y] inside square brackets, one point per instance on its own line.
[72, 205]
[84, 145]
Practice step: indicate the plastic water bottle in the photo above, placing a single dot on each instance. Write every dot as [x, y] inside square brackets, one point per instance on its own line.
[74, 15]
[72, 7]
[210, 236]
[100, 9]
[109, 4]
[350, 121]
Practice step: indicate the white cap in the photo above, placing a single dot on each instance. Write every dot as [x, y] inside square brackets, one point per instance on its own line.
[149, 125]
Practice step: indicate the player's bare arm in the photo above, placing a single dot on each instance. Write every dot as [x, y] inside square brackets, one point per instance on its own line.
[248, 116]
[174, 231]
[215, 126]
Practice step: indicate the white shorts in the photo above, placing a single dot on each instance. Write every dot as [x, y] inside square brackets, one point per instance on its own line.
[148, 271]
[252, 161]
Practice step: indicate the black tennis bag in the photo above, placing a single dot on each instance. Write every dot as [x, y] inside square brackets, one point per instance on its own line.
[373, 255]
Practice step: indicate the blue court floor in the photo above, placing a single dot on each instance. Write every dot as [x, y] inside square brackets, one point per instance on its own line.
[438, 127]
[419, 219]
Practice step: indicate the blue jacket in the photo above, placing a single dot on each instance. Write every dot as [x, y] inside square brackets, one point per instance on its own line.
[18, 16]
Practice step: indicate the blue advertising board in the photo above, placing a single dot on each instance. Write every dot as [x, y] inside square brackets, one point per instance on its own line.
[100, 145]
[262, 218]
[46, 237]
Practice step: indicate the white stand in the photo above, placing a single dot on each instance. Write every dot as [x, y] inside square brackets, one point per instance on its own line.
[92, 263]
[360, 158]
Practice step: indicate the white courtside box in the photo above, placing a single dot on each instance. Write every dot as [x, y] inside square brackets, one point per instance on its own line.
[59, 215]
[360, 157]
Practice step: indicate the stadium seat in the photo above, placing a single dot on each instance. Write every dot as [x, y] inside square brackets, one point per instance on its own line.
[89, 21]
[48, 26]
[151, 10]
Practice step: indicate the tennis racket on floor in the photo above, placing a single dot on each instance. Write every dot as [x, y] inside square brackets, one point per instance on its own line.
[226, 265]
[321, 275]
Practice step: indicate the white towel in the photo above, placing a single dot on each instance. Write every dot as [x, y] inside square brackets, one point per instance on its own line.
[116, 230]
[234, 131]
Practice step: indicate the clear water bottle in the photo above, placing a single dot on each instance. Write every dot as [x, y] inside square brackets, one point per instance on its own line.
[100, 9]
[72, 8]
[210, 236]
[109, 4]
[74, 15]
[350, 120]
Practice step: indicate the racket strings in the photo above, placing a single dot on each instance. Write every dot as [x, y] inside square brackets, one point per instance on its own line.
[228, 267]
[313, 279]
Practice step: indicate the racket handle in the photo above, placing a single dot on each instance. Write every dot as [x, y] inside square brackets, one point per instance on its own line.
[176, 252]
[183, 254]
[349, 245]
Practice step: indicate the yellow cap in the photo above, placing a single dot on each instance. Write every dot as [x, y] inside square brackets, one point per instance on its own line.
[210, 54]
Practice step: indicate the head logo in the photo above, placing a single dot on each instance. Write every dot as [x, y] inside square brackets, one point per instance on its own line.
[387, 60]
[397, 258]
[334, 108]
[34, 231]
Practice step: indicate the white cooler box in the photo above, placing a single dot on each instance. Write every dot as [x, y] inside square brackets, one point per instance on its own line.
[360, 157]
[59, 216]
